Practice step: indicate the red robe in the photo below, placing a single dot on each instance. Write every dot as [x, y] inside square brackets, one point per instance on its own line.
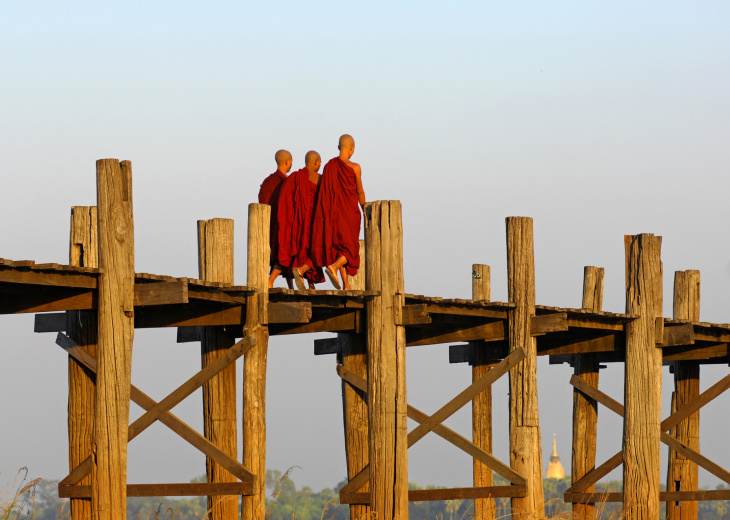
[336, 225]
[269, 194]
[296, 209]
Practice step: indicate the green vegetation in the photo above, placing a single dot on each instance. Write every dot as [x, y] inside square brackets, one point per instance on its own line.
[38, 500]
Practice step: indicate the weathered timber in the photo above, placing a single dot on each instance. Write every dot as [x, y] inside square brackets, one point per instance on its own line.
[386, 358]
[481, 405]
[166, 490]
[82, 328]
[116, 332]
[676, 334]
[341, 322]
[494, 331]
[525, 443]
[326, 346]
[215, 264]
[352, 351]
[664, 496]
[643, 378]
[682, 473]
[147, 404]
[254, 364]
[425, 495]
[585, 409]
[545, 323]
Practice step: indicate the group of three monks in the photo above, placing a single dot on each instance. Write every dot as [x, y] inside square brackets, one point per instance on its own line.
[315, 219]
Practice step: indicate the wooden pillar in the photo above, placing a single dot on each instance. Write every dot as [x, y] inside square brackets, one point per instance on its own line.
[116, 333]
[354, 402]
[386, 359]
[254, 363]
[481, 405]
[525, 442]
[682, 473]
[215, 264]
[585, 409]
[643, 379]
[81, 326]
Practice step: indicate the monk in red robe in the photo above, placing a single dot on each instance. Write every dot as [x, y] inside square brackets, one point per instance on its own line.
[269, 194]
[336, 225]
[296, 210]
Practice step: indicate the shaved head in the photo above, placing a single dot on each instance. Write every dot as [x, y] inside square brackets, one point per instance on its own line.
[311, 157]
[345, 141]
[282, 156]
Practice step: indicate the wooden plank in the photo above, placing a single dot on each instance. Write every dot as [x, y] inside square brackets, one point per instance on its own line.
[705, 397]
[545, 323]
[425, 495]
[294, 312]
[57, 279]
[695, 457]
[347, 322]
[464, 311]
[188, 334]
[578, 343]
[679, 334]
[50, 322]
[203, 314]
[494, 331]
[171, 421]
[160, 293]
[414, 315]
[166, 490]
[597, 395]
[597, 474]
[460, 353]
[326, 346]
[664, 496]
[701, 353]
[31, 299]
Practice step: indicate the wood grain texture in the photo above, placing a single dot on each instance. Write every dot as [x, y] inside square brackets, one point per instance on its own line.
[215, 264]
[682, 473]
[386, 362]
[525, 442]
[585, 409]
[254, 364]
[82, 328]
[481, 405]
[643, 378]
[353, 351]
[116, 335]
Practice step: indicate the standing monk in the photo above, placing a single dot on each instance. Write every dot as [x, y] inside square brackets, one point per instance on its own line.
[296, 210]
[336, 226]
[269, 194]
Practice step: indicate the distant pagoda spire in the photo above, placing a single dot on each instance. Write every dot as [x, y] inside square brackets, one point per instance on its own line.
[555, 468]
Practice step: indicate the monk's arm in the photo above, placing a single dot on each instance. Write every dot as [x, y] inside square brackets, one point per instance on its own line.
[360, 190]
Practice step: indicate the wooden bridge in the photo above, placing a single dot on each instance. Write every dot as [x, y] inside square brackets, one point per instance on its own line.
[95, 303]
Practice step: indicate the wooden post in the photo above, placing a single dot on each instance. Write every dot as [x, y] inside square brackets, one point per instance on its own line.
[481, 405]
[585, 409]
[116, 333]
[215, 254]
[386, 359]
[254, 364]
[525, 442]
[81, 326]
[643, 379]
[682, 473]
[354, 402]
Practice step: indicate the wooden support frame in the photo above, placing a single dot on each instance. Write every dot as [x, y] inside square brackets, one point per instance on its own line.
[433, 423]
[577, 490]
[160, 411]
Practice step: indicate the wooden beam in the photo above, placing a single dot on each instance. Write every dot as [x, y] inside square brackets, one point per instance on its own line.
[347, 322]
[290, 312]
[19, 275]
[326, 346]
[36, 298]
[166, 490]
[426, 495]
[414, 315]
[50, 322]
[494, 331]
[677, 334]
[578, 343]
[545, 323]
[664, 496]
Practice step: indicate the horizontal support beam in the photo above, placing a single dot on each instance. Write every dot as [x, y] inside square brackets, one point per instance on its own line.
[160, 293]
[290, 312]
[414, 315]
[326, 346]
[545, 323]
[494, 331]
[664, 496]
[671, 335]
[580, 343]
[189, 489]
[347, 322]
[464, 353]
[427, 495]
[13, 275]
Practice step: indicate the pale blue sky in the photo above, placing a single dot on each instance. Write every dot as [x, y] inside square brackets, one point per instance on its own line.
[597, 119]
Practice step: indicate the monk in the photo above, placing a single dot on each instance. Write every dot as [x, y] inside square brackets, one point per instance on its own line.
[296, 209]
[336, 225]
[269, 194]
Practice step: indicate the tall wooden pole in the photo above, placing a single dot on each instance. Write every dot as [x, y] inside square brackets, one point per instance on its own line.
[643, 379]
[481, 406]
[81, 326]
[354, 402]
[585, 409]
[682, 473]
[386, 359]
[215, 254]
[254, 364]
[116, 333]
[525, 442]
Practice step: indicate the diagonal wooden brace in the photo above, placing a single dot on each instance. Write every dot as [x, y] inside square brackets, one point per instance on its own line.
[175, 424]
[445, 412]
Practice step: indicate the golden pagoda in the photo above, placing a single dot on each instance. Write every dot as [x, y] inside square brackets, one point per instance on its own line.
[555, 468]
